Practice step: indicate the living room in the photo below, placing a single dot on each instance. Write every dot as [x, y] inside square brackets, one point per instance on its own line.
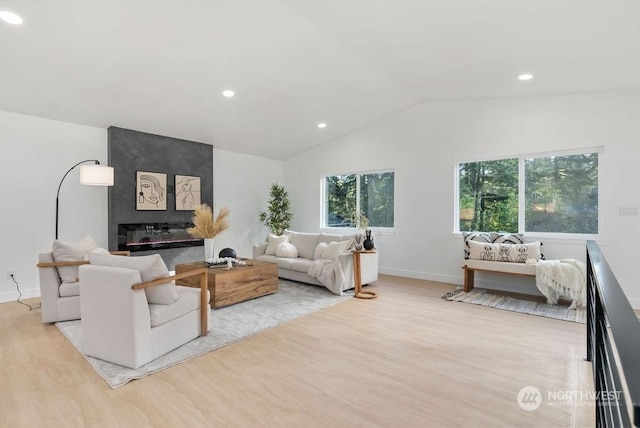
[422, 141]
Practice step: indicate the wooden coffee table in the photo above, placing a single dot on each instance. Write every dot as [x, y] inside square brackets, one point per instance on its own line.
[234, 285]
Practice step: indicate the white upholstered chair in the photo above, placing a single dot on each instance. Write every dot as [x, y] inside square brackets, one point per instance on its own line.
[120, 326]
[59, 301]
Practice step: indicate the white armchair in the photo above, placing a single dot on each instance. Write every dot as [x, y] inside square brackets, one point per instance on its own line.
[120, 326]
[59, 301]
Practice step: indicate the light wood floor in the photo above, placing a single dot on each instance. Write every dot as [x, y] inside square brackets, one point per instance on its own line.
[407, 359]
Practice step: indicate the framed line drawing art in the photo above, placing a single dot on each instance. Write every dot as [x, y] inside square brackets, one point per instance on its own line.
[151, 191]
[187, 192]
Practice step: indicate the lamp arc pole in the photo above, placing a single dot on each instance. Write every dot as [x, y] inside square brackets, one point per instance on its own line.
[97, 162]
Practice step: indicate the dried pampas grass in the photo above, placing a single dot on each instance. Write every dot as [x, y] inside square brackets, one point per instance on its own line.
[204, 226]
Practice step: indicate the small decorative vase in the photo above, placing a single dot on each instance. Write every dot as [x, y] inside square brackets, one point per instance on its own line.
[368, 242]
[208, 249]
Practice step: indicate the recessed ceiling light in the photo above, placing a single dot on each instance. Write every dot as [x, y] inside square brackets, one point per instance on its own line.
[525, 76]
[228, 93]
[10, 17]
[322, 125]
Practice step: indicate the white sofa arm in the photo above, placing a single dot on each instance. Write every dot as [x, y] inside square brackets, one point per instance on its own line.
[368, 267]
[49, 289]
[258, 250]
[115, 319]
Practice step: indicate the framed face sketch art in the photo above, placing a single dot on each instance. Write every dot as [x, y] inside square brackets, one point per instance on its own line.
[151, 191]
[187, 192]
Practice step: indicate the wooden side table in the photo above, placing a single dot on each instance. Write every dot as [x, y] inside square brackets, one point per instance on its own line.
[357, 277]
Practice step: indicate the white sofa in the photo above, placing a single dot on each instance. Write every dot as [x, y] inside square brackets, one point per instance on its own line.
[297, 268]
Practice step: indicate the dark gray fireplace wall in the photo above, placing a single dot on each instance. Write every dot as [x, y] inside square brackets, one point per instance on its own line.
[131, 151]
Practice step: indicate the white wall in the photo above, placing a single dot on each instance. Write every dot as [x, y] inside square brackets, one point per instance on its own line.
[423, 145]
[35, 155]
[242, 183]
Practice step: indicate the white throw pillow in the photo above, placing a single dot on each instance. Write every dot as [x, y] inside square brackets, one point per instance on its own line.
[317, 254]
[285, 249]
[71, 252]
[273, 241]
[150, 267]
[496, 252]
[334, 249]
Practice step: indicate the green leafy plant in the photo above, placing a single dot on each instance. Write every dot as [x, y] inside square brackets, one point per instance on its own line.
[360, 220]
[277, 217]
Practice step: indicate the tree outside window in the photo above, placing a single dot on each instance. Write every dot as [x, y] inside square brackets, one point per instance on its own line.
[560, 194]
[370, 194]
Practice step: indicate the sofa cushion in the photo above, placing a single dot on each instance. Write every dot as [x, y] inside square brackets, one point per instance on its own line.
[514, 253]
[150, 267]
[327, 238]
[273, 241]
[68, 289]
[334, 249]
[188, 301]
[305, 243]
[286, 249]
[301, 265]
[71, 252]
[267, 258]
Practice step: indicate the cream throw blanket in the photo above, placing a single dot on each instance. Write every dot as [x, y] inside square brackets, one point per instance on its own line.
[562, 278]
[329, 273]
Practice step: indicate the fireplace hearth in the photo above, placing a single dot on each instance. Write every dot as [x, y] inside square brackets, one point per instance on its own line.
[155, 236]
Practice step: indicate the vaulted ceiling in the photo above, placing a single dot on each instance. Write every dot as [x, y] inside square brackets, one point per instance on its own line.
[161, 66]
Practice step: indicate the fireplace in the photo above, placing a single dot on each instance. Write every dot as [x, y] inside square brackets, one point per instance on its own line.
[155, 236]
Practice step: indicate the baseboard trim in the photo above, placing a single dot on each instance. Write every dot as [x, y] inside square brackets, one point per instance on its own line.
[12, 296]
[635, 303]
[449, 279]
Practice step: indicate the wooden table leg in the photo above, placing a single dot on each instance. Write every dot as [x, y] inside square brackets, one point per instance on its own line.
[357, 280]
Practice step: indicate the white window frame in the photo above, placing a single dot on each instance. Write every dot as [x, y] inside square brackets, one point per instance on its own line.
[521, 191]
[323, 202]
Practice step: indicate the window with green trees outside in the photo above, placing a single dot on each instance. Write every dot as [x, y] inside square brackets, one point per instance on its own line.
[545, 194]
[371, 194]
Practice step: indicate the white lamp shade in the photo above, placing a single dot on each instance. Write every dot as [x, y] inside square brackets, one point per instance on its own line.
[96, 175]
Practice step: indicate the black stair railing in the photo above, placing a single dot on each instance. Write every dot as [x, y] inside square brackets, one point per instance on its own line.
[613, 345]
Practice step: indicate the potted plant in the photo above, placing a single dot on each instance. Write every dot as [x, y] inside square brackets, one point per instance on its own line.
[277, 217]
[206, 227]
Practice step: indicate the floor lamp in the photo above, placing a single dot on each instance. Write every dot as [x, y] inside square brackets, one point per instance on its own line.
[90, 175]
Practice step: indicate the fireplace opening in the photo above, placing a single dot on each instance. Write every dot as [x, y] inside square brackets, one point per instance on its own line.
[155, 236]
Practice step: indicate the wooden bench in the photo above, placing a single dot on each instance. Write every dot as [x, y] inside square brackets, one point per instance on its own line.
[470, 266]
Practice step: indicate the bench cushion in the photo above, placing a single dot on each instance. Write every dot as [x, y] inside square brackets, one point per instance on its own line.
[504, 267]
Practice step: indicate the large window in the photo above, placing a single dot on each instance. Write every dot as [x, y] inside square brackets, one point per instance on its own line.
[371, 194]
[544, 194]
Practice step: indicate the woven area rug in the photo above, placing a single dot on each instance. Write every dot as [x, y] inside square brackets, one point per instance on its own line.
[531, 307]
[228, 325]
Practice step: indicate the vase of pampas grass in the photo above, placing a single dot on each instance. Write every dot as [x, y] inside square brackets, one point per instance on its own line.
[206, 227]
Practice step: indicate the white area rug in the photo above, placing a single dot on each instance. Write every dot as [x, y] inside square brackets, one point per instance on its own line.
[229, 325]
